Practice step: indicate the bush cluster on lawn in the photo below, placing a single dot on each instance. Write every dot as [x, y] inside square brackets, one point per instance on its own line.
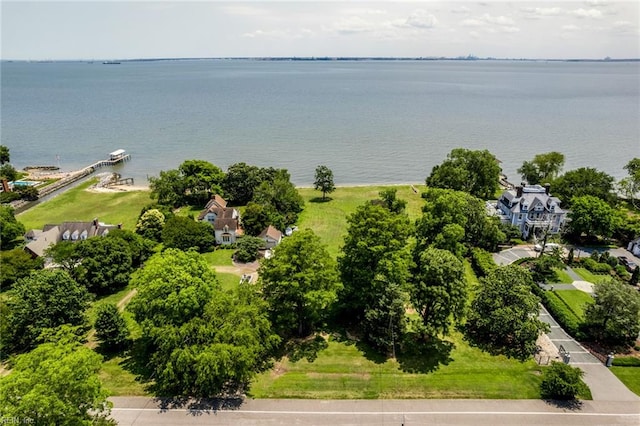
[563, 382]
[596, 267]
[482, 262]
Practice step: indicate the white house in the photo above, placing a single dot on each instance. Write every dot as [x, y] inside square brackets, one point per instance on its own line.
[271, 237]
[532, 209]
[225, 220]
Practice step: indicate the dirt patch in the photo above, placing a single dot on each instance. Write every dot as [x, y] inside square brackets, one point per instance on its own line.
[279, 369]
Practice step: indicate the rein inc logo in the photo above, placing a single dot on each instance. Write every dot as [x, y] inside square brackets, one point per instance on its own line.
[17, 421]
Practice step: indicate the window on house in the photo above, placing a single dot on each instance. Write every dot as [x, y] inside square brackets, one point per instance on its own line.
[226, 238]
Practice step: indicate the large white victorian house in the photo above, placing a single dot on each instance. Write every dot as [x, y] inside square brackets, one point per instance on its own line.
[532, 209]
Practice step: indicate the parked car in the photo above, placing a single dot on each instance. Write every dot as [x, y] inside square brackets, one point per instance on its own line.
[547, 248]
[631, 266]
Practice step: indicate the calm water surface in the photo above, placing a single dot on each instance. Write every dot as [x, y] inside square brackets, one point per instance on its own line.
[370, 122]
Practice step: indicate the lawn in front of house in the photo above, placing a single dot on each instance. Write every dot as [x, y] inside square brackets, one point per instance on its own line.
[328, 219]
[346, 370]
[79, 204]
[630, 376]
[562, 277]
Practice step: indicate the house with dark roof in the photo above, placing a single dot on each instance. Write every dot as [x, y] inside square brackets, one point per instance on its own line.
[271, 237]
[532, 209]
[225, 220]
[39, 241]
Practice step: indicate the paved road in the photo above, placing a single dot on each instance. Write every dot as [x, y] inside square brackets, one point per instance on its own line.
[145, 411]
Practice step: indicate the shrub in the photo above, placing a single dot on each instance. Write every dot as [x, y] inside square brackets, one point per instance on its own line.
[248, 249]
[561, 381]
[626, 361]
[562, 314]
[596, 267]
[621, 271]
[482, 262]
[111, 328]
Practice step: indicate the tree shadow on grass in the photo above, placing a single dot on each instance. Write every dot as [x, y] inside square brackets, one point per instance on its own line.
[297, 349]
[320, 200]
[419, 356]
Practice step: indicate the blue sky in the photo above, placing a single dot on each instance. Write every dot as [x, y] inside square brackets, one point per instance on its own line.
[147, 29]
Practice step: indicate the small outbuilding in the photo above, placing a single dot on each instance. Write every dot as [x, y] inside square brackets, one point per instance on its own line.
[271, 237]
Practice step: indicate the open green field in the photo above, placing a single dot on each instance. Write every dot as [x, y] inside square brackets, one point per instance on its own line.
[329, 219]
[576, 300]
[118, 380]
[562, 277]
[343, 371]
[630, 376]
[78, 204]
[219, 257]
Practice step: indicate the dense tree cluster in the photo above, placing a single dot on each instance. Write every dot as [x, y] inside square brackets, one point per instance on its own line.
[10, 228]
[475, 172]
[544, 168]
[194, 182]
[584, 181]
[184, 233]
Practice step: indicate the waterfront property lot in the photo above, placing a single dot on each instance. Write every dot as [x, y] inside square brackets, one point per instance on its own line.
[328, 219]
[78, 204]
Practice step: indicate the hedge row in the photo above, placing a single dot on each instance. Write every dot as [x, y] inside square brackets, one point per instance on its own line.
[596, 267]
[482, 262]
[626, 361]
[562, 314]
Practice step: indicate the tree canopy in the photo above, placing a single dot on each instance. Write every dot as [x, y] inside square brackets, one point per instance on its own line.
[374, 270]
[150, 224]
[199, 340]
[5, 156]
[300, 283]
[45, 299]
[584, 181]
[592, 216]
[10, 228]
[504, 315]
[324, 181]
[630, 186]
[185, 233]
[543, 168]
[438, 290]
[111, 328]
[475, 172]
[56, 384]
[16, 264]
[561, 381]
[240, 182]
[105, 264]
[614, 318]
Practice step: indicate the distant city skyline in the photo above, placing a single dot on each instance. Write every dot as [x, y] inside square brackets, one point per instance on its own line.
[50, 30]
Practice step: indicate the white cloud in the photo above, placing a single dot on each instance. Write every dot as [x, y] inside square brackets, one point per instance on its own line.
[570, 28]
[421, 19]
[267, 34]
[539, 12]
[587, 13]
[244, 10]
[463, 10]
[473, 23]
[353, 25]
[498, 20]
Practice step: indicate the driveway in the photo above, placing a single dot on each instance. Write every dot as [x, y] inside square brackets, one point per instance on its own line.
[508, 256]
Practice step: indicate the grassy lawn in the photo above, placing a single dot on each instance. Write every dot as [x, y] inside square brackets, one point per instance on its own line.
[342, 371]
[81, 205]
[591, 277]
[219, 257]
[576, 300]
[562, 277]
[228, 281]
[112, 298]
[118, 380]
[630, 376]
[328, 219]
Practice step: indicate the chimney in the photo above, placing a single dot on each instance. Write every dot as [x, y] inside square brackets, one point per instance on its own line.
[547, 188]
[518, 191]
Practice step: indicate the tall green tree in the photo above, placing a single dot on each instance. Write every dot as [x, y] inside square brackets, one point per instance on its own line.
[592, 216]
[5, 156]
[199, 340]
[584, 181]
[248, 249]
[281, 195]
[111, 328]
[614, 318]
[150, 224]
[8, 172]
[257, 217]
[168, 188]
[475, 172]
[391, 201]
[201, 180]
[300, 283]
[543, 168]
[504, 315]
[45, 299]
[630, 186]
[105, 265]
[56, 384]
[11, 229]
[141, 248]
[240, 182]
[185, 233]
[16, 264]
[324, 181]
[374, 269]
[438, 290]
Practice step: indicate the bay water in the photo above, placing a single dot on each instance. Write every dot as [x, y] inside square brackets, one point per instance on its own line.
[368, 121]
